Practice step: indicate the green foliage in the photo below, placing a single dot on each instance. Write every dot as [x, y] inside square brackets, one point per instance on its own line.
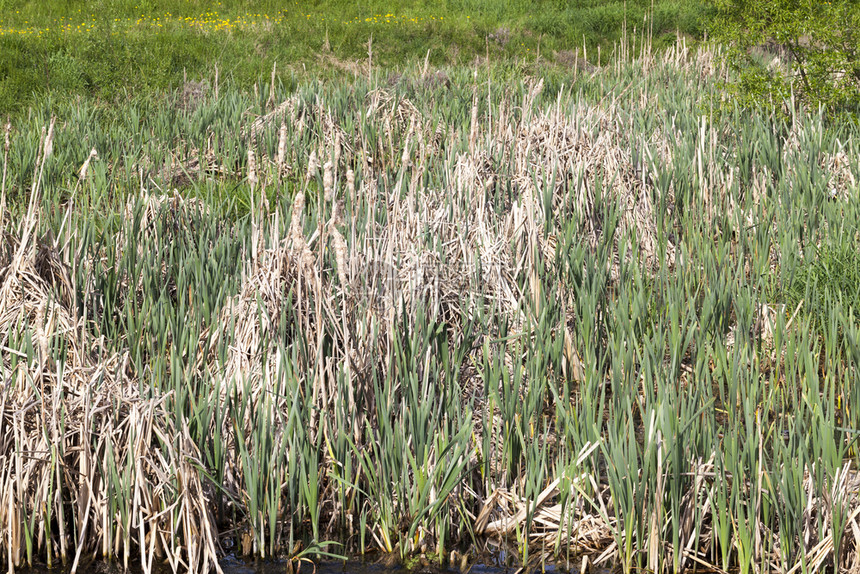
[781, 49]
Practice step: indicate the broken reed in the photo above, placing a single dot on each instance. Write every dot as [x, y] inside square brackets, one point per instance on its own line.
[433, 315]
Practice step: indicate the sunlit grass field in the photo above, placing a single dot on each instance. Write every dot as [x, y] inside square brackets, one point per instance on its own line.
[109, 50]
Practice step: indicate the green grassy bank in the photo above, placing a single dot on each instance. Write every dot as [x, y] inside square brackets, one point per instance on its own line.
[426, 314]
[107, 50]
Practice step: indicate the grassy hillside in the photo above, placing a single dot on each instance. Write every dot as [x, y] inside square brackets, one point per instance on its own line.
[107, 50]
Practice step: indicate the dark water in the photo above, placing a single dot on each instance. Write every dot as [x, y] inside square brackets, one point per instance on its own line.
[494, 566]
[238, 566]
[233, 565]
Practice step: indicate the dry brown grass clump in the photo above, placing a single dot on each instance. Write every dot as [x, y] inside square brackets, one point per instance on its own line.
[89, 467]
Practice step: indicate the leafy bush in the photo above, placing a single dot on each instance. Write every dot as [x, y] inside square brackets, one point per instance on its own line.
[777, 47]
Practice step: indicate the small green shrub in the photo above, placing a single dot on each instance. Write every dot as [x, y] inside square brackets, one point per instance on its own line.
[781, 49]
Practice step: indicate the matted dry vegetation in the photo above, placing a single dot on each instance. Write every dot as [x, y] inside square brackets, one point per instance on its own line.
[448, 315]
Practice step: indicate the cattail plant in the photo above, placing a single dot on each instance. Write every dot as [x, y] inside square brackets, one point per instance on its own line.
[590, 324]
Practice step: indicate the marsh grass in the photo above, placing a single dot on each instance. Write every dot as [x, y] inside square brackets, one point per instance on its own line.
[423, 317]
